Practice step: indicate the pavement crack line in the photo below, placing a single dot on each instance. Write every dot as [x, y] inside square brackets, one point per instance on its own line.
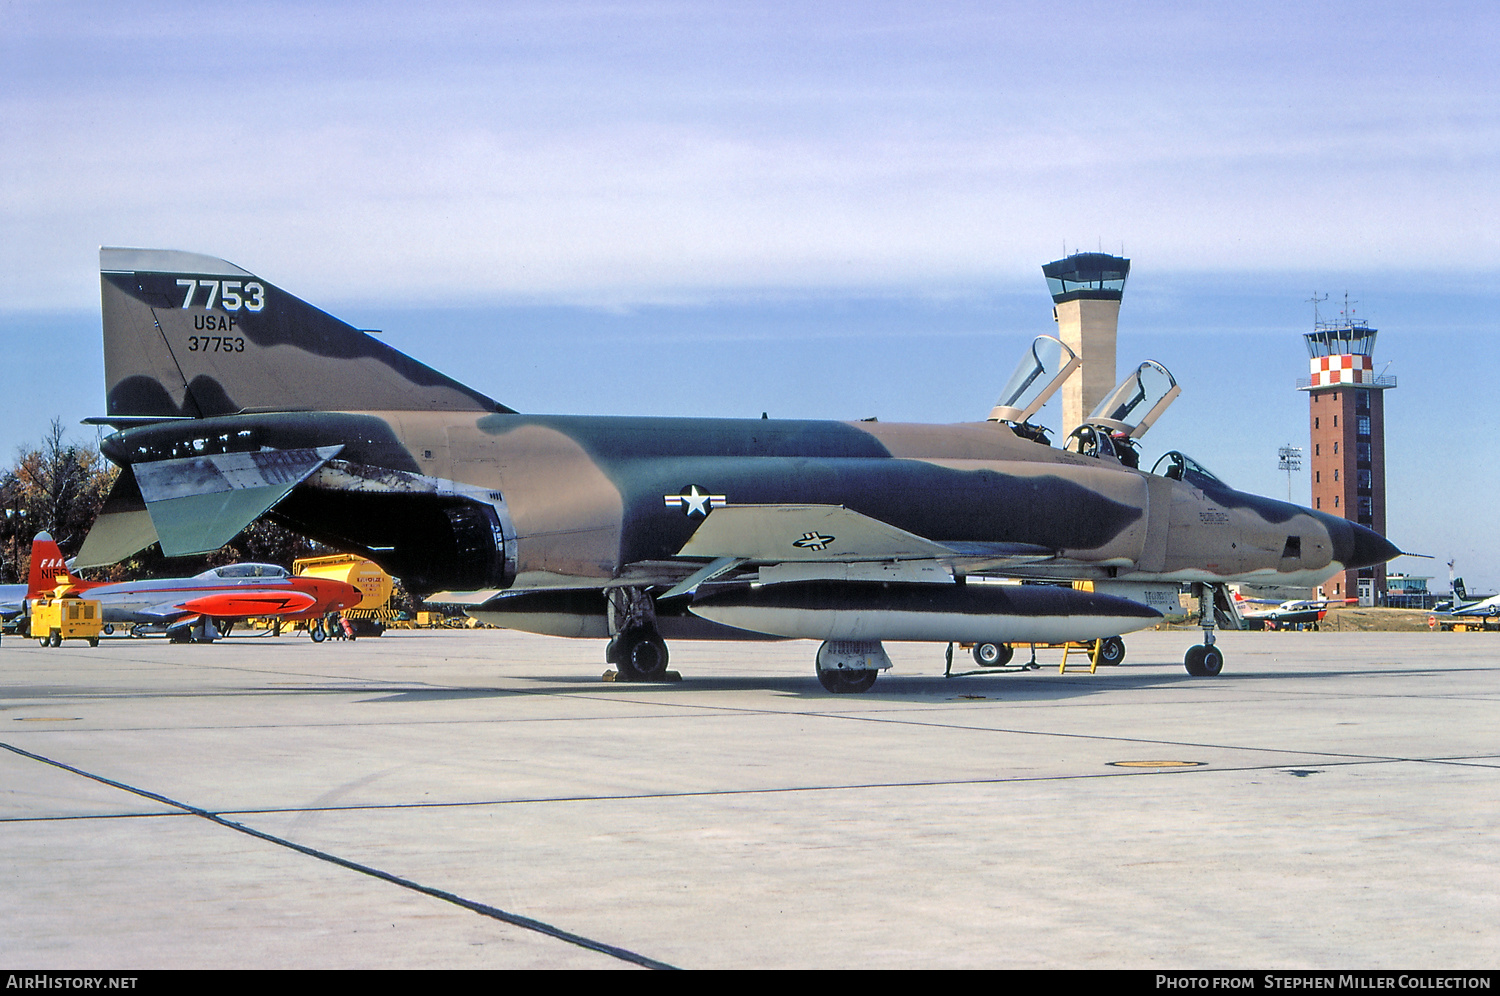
[514, 919]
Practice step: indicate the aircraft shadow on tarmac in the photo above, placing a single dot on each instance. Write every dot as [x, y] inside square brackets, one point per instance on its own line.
[1034, 686]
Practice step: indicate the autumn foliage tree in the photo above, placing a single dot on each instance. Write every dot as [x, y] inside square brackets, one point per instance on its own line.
[57, 487]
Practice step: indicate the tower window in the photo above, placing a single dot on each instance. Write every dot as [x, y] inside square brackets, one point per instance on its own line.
[1363, 426]
[1315, 422]
[1335, 421]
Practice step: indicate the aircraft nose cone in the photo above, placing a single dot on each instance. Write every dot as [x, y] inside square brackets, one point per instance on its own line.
[1364, 547]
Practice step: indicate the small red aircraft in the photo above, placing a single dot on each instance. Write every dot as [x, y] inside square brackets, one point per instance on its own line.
[187, 608]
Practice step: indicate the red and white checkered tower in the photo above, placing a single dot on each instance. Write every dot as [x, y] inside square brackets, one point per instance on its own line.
[1346, 412]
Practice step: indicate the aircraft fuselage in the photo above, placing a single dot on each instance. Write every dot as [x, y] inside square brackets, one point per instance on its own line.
[577, 500]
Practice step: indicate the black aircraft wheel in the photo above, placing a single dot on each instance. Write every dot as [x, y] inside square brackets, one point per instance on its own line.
[1111, 650]
[642, 656]
[1193, 661]
[842, 680]
[1213, 661]
[1204, 662]
[317, 634]
[993, 654]
[612, 652]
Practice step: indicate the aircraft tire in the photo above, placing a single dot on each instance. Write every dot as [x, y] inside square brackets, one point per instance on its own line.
[842, 681]
[642, 656]
[1213, 661]
[1204, 662]
[1193, 661]
[993, 654]
[317, 634]
[1111, 650]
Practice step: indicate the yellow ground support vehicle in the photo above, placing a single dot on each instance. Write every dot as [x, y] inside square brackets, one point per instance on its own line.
[54, 620]
[373, 613]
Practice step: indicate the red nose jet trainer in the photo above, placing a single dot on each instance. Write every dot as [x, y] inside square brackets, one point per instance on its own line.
[231, 399]
[187, 607]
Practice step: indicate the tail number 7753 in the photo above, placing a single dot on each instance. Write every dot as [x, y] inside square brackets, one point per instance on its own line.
[226, 293]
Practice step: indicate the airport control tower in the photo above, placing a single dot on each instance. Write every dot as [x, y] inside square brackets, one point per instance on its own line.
[1086, 291]
[1346, 406]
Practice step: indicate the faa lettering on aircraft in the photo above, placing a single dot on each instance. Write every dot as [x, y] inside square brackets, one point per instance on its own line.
[232, 399]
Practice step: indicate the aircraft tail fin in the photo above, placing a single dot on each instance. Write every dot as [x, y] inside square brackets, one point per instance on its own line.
[48, 568]
[1459, 591]
[191, 336]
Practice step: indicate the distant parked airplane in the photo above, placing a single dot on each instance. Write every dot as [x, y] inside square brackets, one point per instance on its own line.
[1479, 607]
[1296, 612]
[187, 607]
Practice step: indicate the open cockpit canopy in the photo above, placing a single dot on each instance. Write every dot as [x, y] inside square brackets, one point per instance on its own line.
[1181, 467]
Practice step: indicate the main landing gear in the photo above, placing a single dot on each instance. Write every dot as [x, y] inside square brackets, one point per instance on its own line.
[1205, 660]
[635, 648]
[850, 666]
[639, 654]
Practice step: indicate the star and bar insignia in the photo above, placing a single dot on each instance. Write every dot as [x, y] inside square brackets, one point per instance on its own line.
[695, 501]
[813, 541]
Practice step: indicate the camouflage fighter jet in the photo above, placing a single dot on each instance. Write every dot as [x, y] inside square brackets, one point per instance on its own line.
[231, 399]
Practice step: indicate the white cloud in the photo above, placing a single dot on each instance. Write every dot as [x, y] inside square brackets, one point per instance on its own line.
[630, 152]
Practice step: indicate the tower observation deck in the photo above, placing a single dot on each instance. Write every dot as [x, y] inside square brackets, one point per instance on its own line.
[1346, 415]
[1087, 288]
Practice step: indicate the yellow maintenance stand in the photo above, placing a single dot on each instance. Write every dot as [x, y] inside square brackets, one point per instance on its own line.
[373, 613]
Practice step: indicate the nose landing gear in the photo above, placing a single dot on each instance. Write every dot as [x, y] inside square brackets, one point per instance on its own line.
[1206, 660]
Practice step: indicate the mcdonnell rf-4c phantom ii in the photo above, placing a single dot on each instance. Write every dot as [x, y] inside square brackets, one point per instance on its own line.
[232, 399]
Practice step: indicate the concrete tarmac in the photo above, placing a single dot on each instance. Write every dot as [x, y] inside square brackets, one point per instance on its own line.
[452, 799]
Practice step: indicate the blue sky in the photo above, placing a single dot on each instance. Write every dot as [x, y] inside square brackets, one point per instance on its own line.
[813, 209]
